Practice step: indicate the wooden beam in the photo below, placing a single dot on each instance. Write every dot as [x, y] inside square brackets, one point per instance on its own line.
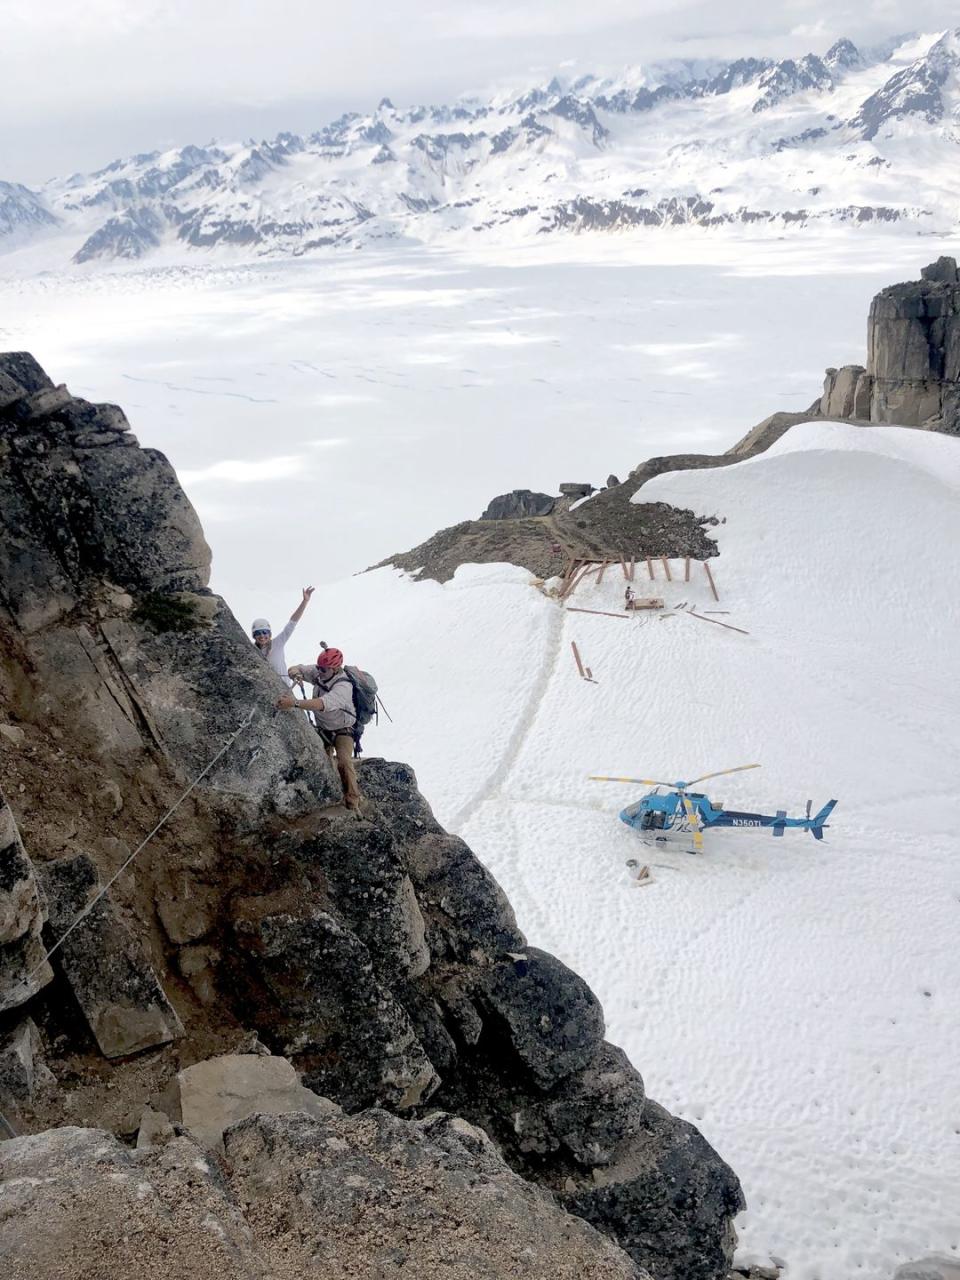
[713, 585]
[586, 568]
[568, 574]
[686, 570]
[650, 568]
[666, 568]
[576, 654]
[691, 614]
[603, 569]
[601, 613]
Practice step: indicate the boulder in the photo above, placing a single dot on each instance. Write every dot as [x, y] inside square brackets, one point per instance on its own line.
[466, 912]
[839, 391]
[360, 864]
[468, 915]
[107, 969]
[577, 490]
[551, 1018]
[210, 1096]
[518, 504]
[199, 966]
[154, 1130]
[314, 996]
[297, 1197]
[943, 271]
[339, 1188]
[20, 1060]
[23, 969]
[668, 1198]
[79, 1203]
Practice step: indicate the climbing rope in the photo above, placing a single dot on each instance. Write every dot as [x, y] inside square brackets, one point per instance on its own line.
[4, 1122]
[140, 847]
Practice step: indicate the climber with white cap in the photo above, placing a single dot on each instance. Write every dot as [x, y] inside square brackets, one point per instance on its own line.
[271, 646]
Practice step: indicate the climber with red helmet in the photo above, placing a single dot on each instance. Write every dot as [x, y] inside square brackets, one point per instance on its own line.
[336, 717]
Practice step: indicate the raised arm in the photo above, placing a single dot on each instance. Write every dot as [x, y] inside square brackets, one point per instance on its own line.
[298, 612]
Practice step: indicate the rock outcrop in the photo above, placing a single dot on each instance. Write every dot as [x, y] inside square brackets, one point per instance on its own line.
[23, 966]
[517, 504]
[376, 955]
[297, 1197]
[912, 374]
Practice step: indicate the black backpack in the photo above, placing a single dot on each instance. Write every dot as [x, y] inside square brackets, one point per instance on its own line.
[364, 700]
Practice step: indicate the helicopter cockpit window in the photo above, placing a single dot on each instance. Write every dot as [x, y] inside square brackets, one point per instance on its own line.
[652, 821]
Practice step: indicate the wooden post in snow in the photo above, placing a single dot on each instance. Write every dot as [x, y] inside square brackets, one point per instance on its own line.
[713, 585]
[576, 654]
[666, 568]
[686, 570]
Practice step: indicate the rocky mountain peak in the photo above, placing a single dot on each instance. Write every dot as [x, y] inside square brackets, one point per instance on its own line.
[374, 954]
[918, 91]
[842, 54]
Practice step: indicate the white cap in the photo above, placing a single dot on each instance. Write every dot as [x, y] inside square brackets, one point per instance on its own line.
[261, 624]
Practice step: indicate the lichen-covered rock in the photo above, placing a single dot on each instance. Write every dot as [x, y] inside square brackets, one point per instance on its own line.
[78, 1203]
[109, 973]
[467, 913]
[298, 1198]
[23, 968]
[338, 1189]
[313, 994]
[359, 865]
[668, 1198]
[551, 1018]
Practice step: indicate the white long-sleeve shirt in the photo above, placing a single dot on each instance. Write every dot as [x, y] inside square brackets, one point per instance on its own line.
[276, 655]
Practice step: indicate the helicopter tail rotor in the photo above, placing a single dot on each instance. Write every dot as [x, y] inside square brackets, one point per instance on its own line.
[819, 819]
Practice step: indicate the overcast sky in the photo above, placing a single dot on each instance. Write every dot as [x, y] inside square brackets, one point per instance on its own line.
[83, 83]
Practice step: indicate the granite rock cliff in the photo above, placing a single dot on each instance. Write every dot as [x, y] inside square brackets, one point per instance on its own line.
[377, 954]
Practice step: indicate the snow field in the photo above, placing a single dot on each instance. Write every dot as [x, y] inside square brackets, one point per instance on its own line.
[797, 1001]
[401, 391]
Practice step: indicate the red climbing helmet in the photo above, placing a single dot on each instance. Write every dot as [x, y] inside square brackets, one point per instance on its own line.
[329, 658]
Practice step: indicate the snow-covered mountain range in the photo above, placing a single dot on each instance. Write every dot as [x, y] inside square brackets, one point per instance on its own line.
[847, 137]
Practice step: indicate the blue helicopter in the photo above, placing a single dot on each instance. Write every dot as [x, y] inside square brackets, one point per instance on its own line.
[681, 809]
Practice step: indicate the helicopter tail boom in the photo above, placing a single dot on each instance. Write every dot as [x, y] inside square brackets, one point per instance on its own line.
[819, 820]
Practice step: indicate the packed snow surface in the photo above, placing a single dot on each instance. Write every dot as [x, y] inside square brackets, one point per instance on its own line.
[397, 393]
[798, 1001]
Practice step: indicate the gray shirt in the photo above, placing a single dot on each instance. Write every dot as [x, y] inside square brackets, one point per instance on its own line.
[337, 694]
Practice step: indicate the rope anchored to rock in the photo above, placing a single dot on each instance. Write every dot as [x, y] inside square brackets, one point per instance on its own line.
[4, 1122]
[140, 847]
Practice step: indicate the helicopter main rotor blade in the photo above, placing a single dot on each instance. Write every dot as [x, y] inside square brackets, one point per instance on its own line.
[694, 819]
[644, 782]
[721, 773]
